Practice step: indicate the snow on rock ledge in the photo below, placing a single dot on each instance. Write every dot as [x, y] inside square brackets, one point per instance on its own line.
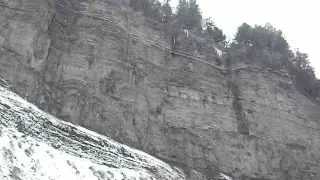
[35, 145]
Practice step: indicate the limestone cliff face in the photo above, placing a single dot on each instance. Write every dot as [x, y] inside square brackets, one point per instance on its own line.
[103, 66]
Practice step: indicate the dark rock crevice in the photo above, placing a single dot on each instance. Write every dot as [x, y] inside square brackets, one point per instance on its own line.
[243, 123]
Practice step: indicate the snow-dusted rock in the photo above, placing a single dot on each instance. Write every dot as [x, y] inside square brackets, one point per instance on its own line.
[36, 146]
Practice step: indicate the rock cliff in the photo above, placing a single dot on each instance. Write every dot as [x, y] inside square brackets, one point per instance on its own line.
[101, 65]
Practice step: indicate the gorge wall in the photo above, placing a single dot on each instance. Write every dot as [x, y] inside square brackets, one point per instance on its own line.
[98, 64]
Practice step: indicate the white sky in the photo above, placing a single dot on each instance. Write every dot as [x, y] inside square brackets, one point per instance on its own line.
[296, 18]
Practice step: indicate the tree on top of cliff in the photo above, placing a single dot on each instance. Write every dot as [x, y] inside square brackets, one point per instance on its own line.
[214, 33]
[266, 37]
[166, 10]
[305, 79]
[275, 52]
[153, 9]
[189, 15]
[150, 8]
[301, 62]
[244, 34]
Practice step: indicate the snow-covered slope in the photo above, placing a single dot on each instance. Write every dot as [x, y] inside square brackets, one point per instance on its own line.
[35, 145]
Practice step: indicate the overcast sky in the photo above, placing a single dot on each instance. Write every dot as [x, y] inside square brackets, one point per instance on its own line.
[296, 18]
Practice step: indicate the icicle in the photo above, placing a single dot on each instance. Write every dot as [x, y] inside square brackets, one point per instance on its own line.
[218, 51]
[186, 32]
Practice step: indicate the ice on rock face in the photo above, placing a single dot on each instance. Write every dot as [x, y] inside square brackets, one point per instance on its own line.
[219, 52]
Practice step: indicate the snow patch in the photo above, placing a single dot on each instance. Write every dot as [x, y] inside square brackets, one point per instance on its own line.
[25, 158]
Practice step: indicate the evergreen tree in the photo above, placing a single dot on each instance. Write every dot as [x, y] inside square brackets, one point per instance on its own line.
[195, 16]
[150, 8]
[302, 63]
[214, 32]
[166, 10]
[182, 13]
[266, 37]
[244, 34]
[189, 15]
